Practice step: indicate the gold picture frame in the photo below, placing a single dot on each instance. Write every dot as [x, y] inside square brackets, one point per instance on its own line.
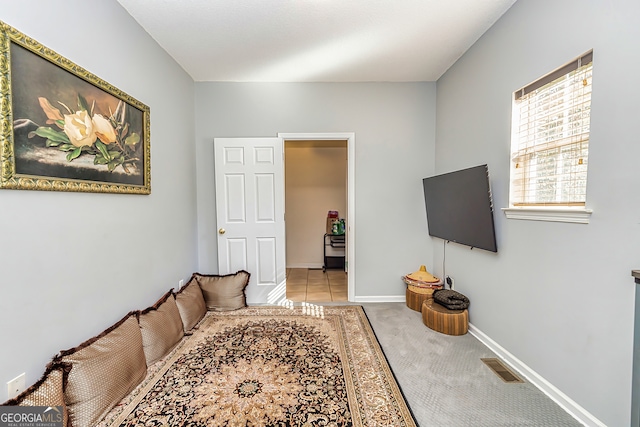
[65, 129]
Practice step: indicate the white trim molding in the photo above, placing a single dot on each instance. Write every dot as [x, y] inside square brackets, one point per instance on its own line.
[350, 137]
[382, 298]
[564, 401]
[574, 215]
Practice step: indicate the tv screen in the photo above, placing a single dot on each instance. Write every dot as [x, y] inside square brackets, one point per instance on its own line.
[459, 207]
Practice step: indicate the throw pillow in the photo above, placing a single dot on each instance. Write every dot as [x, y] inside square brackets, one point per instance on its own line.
[104, 370]
[190, 304]
[161, 328]
[47, 391]
[224, 293]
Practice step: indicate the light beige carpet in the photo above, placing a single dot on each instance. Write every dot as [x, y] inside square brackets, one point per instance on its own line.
[271, 366]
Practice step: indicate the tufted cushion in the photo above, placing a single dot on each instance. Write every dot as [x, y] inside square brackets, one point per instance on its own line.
[161, 328]
[104, 370]
[190, 304]
[223, 293]
[48, 391]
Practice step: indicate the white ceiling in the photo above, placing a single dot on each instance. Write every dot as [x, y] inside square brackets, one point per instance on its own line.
[316, 40]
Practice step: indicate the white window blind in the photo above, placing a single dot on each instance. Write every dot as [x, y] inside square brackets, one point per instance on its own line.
[550, 138]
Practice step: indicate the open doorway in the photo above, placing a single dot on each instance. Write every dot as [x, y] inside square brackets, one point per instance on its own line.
[315, 183]
[319, 177]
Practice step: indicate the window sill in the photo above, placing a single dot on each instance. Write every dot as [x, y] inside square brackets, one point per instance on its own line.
[574, 215]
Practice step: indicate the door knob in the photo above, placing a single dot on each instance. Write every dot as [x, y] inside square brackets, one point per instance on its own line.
[221, 231]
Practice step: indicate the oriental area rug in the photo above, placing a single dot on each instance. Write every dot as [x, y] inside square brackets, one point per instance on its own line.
[271, 366]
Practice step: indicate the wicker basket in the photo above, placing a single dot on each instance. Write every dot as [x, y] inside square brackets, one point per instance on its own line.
[420, 287]
[417, 295]
[443, 320]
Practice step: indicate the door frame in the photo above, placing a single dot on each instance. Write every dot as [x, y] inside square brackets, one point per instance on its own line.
[350, 137]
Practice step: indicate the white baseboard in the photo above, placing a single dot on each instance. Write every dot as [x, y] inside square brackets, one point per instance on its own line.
[383, 298]
[565, 402]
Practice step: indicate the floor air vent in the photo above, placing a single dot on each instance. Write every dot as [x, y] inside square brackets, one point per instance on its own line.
[501, 370]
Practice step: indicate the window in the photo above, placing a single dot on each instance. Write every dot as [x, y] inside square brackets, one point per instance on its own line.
[550, 141]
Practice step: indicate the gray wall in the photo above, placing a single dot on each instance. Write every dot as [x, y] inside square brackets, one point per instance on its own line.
[65, 276]
[560, 297]
[394, 132]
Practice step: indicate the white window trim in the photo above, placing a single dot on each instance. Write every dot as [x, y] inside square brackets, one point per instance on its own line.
[578, 215]
[560, 213]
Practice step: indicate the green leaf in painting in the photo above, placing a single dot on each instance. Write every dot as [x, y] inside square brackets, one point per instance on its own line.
[120, 113]
[90, 150]
[132, 139]
[74, 154]
[51, 134]
[51, 143]
[112, 165]
[82, 103]
[99, 160]
[103, 149]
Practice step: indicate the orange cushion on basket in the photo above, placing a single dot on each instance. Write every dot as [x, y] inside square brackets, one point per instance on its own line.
[423, 276]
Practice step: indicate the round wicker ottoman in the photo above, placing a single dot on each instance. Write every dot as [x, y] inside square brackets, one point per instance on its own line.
[441, 319]
[417, 295]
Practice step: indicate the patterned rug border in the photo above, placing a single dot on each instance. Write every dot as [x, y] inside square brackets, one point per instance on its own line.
[360, 398]
[395, 379]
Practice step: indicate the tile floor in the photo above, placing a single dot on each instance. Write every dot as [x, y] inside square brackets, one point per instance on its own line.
[310, 285]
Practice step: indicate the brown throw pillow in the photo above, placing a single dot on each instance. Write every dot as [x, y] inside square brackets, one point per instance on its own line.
[104, 370]
[224, 293]
[47, 391]
[190, 304]
[161, 328]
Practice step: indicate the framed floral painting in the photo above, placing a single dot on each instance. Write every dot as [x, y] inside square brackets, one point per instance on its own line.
[63, 128]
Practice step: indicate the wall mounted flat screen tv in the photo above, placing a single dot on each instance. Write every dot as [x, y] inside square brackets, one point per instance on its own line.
[460, 209]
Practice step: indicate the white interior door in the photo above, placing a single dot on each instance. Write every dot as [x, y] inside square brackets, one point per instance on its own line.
[249, 176]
